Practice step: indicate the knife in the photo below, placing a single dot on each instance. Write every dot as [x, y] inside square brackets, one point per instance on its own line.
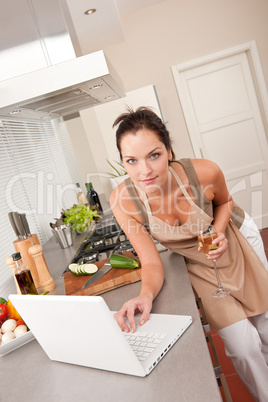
[99, 274]
[25, 225]
[12, 221]
[20, 227]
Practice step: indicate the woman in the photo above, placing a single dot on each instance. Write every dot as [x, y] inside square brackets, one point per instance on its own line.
[174, 200]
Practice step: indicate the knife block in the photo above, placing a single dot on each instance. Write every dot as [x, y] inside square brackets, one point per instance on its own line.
[12, 266]
[23, 246]
[46, 281]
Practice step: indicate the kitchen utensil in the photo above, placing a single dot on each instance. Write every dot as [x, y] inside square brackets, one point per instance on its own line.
[99, 274]
[68, 234]
[12, 221]
[25, 225]
[63, 235]
[114, 279]
[46, 281]
[19, 225]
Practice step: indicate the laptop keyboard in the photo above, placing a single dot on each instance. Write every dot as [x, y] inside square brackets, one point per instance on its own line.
[143, 344]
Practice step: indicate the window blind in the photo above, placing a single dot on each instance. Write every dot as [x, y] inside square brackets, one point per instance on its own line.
[38, 175]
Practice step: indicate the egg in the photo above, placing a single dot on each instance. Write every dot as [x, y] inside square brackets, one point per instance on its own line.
[20, 330]
[7, 337]
[9, 325]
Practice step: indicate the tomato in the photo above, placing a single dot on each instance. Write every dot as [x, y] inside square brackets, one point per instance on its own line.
[3, 313]
[20, 322]
[12, 312]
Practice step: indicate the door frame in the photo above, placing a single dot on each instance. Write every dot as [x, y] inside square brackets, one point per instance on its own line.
[252, 54]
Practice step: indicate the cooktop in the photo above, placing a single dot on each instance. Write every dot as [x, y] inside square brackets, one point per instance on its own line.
[101, 243]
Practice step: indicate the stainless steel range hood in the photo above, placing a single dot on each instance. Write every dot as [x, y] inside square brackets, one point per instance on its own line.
[60, 89]
[41, 75]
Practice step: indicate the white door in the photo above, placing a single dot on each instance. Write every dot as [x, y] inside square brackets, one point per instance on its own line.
[222, 112]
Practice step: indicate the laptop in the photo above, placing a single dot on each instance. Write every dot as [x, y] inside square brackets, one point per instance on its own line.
[81, 330]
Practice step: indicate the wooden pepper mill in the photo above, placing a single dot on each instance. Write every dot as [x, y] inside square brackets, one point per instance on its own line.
[46, 281]
[12, 266]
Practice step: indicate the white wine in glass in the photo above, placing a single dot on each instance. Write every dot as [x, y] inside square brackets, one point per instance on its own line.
[205, 240]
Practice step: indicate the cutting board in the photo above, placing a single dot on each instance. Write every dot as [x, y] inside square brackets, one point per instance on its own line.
[114, 279]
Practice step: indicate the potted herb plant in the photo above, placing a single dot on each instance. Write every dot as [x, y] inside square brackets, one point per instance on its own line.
[119, 174]
[80, 217]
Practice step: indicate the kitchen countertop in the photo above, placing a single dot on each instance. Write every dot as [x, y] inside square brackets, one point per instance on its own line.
[185, 374]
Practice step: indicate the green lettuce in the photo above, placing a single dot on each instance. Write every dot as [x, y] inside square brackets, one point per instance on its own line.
[80, 217]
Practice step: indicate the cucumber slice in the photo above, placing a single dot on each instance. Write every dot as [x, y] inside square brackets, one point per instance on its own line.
[73, 267]
[83, 269]
[90, 269]
[76, 270]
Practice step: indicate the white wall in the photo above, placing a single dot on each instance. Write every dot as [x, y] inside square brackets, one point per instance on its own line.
[93, 137]
[176, 31]
[108, 112]
[81, 147]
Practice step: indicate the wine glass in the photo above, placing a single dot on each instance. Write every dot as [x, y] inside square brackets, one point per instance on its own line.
[205, 242]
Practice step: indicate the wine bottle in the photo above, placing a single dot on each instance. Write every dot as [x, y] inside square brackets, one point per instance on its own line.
[92, 196]
[81, 197]
[88, 195]
[23, 276]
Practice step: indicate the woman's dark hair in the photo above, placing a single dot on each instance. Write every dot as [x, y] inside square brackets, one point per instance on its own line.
[133, 121]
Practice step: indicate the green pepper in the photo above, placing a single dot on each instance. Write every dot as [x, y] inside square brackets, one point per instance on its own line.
[3, 301]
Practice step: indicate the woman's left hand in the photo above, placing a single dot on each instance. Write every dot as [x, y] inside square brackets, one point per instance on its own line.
[223, 245]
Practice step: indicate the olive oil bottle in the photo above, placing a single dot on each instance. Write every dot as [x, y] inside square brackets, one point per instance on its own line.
[23, 276]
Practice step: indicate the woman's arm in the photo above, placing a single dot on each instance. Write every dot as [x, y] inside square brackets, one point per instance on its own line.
[152, 273]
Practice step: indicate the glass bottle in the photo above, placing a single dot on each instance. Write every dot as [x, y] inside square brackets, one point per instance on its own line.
[23, 276]
[89, 200]
[92, 196]
[81, 197]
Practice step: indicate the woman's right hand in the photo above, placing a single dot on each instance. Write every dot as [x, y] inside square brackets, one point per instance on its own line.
[142, 304]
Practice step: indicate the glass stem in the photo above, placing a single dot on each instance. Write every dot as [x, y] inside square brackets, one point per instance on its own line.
[217, 275]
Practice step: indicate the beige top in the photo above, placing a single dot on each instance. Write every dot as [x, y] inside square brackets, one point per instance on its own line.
[200, 198]
[240, 268]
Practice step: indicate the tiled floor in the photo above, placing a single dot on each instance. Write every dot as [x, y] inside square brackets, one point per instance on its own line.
[238, 390]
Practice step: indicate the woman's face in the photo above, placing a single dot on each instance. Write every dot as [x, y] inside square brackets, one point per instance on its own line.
[145, 159]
